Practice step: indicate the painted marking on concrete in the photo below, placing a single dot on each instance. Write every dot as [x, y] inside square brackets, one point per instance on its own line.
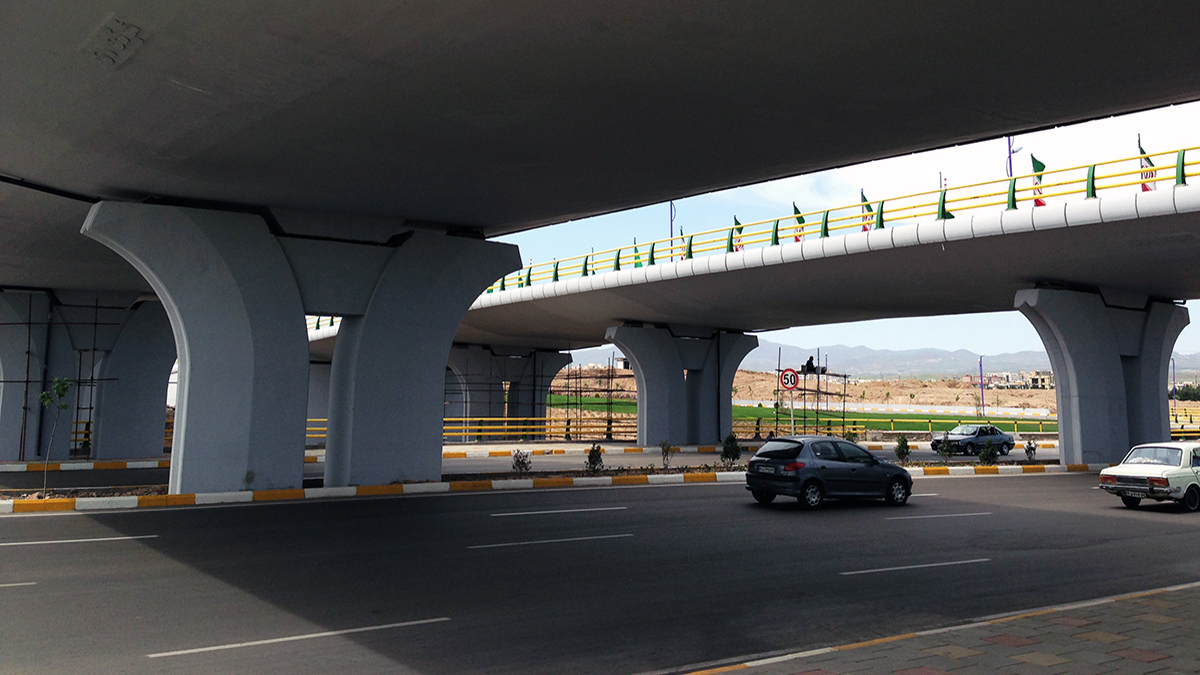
[76, 541]
[538, 513]
[19, 584]
[916, 567]
[294, 638]
[925, 494]
[549, 541]
[943, 515]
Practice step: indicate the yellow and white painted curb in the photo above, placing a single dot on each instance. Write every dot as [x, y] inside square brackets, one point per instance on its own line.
[68, 465]
[156, 501]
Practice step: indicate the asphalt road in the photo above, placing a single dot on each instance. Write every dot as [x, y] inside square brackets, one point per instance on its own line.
[616, 580]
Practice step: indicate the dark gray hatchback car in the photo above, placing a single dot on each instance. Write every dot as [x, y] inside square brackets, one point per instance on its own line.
[812, 468]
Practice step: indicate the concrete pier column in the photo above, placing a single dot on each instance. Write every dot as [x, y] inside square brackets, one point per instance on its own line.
[710, 388]
[389, 365]
[533, 386]
[684, 379]
[23, 344]
[238, 324]
[1110, 352]
[131, 393]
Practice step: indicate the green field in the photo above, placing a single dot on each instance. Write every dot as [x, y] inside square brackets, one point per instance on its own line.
[873, 421]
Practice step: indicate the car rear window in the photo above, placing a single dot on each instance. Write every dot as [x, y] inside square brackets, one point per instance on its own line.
[780, 450]
[1154, 455]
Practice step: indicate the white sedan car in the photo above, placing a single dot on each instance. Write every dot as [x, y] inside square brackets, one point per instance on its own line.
[1158, 471]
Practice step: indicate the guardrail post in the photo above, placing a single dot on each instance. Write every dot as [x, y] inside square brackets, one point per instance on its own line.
[775, 234]
[555, 277]
[1180, 174]
[1012, 194]
[687, 253]
[502, 283]
[1091, 182]
[825, 225]
[529, 277]
[585, 266]
[651, 262]
[617, 261]
[729, 242]
[568, 432]
[879, 216]
[943, 214]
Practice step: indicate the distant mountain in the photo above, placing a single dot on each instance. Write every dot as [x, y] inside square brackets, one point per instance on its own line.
[889, 363]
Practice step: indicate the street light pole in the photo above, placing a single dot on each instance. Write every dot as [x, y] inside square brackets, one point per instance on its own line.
[982, 402]
[1174, 390]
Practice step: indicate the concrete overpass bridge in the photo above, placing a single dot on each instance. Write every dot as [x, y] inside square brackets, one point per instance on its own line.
[682, 309]
[235, 167]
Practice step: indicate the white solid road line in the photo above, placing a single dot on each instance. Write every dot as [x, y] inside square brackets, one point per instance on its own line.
[293, 638]
[550, 541]
[76, 541]
[23, 583]
[538, 513]
[944, 515]
[916, 567]
[926, 494]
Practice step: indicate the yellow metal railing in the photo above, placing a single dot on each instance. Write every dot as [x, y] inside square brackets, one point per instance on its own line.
[1171, 168]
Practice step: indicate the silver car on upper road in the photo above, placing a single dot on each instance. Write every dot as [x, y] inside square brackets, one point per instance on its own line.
[812, 468]
[969, 439]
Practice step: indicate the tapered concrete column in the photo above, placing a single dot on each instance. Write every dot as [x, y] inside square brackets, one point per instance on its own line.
[662, 390]
[710, 388]
[23, 329]
[131, 393]
[1110, 352]
[527, 395]
[684, 379]
[238, 324]
[389, 365]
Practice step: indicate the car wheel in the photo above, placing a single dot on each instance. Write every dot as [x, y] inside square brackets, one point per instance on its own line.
[1130, 502]
[969, 450]
[897, 493]
[1191, 499]
[1004, 449]
[811, 495]
[763, 497]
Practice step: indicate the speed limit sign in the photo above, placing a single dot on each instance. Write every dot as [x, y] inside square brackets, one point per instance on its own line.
[789, 379]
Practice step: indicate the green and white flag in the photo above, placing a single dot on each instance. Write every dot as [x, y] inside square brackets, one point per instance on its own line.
[737, 239]
[1146, 164]
[1038, 168]
[867, 211]
[799, 223]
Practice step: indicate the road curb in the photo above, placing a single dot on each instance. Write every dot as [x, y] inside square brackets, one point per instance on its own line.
[250, 496]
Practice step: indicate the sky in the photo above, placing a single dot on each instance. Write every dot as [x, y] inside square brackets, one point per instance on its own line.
[1161, 130]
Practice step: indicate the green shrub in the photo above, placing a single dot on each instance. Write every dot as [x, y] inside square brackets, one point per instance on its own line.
[595, 460]
[989, 453]
[522, 463]
[902, 450]
[731, 452]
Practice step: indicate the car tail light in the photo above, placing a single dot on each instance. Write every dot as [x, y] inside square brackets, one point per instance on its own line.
[1108, 479]
[793, 466]
[1159, 482]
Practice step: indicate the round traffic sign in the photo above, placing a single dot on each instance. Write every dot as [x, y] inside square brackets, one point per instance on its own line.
[789, 379]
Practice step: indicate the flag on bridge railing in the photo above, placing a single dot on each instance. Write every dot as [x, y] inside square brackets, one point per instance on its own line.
[1038, 168]
[1146, 164]
[799, 222]
[867, 211]
[737, 238]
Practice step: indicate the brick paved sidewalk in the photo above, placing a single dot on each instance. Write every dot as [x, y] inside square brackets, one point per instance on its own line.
[1153, 632]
